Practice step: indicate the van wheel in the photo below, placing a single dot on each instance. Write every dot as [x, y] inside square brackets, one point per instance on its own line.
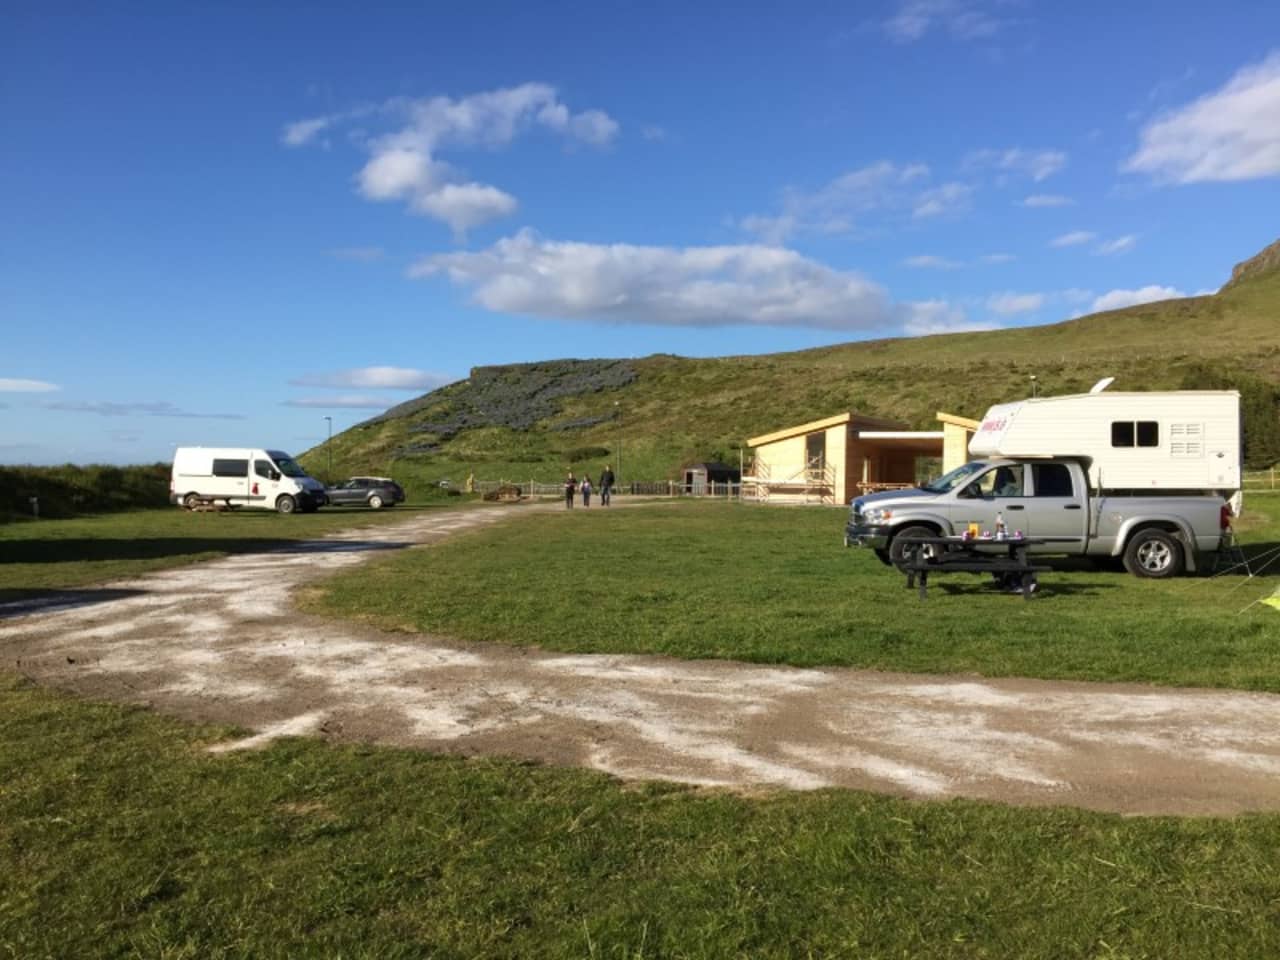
[895, 545]
[191, 501]
[286, 504]
[1153, 553]
[375, 502]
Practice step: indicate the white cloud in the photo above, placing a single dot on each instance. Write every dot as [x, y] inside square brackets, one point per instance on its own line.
[1047, 200]
[1011, 304]
[340, 401]
[9, 385]
[357, 254]
[963, 20]
[1036, 164]
[303, 131]
[1230, 134]
[1116, 299]
[929, 261]
[374, 378]
[1118, 245]
[1073, 239]
[404, 162]
[157, 408]
[946, 199]
[466, 205]
[836, 206]
[997, 258]
[669, 286]
[927, 317]
[653, 132]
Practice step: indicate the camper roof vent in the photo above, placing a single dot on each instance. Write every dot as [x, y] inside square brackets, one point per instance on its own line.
[1102, 384]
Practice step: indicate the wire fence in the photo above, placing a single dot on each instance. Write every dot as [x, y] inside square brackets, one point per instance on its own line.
[1255, 480]
[657, 488]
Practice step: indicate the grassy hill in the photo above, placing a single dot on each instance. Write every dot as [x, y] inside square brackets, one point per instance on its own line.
[536, 420]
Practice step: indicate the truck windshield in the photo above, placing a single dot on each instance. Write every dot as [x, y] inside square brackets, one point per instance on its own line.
[957, 477]
[288, 467]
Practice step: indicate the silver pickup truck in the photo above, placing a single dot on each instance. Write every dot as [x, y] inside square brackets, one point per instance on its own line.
[1156, 534]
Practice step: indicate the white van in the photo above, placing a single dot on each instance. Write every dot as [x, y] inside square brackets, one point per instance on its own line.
[242, 477]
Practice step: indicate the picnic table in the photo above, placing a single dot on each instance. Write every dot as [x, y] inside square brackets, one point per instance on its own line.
[1003, 558]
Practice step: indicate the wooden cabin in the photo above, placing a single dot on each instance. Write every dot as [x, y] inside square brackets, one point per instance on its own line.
[835, 459]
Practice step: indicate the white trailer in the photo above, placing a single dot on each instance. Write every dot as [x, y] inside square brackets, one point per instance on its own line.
[242, 477]
[1184, 440]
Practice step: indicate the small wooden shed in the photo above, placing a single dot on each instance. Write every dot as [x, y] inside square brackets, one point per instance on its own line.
[699, 479]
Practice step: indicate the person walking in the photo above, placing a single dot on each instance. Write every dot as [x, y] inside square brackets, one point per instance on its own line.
[606, 485]
[586, 491]
[570, 488]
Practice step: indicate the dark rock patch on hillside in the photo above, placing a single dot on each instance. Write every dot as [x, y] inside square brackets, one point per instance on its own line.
[514, 396]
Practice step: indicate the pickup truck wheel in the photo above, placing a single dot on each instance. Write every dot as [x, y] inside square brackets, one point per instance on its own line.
[286, 504]
[1153, 553]
[895, 545]
[375, 502]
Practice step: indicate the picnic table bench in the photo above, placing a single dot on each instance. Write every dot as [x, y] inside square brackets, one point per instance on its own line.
[978, 555]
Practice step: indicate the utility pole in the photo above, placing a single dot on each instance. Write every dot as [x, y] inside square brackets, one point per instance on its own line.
[617, 407]
[329, 447]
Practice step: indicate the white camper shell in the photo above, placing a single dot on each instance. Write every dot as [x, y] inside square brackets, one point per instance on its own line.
[242, 477]
[1157, 440]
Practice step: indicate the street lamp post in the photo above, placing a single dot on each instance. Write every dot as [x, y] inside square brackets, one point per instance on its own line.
[617, 407]
[329, 447]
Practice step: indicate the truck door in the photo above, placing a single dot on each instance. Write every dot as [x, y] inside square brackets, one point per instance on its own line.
[1001, 491]
[1057, 507]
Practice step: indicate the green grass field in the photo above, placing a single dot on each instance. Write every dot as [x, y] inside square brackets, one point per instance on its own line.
[44, 555]
[774, 585]
[120, 835]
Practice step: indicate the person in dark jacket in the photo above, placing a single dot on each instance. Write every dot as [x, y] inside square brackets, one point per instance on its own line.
[606, 485]
[586, 491]
[570, 488]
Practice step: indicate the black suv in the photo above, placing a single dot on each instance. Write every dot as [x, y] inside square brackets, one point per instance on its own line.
[375, 492]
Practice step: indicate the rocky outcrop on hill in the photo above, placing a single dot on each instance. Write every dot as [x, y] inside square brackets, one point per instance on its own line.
[1268, 261]
[515, 396]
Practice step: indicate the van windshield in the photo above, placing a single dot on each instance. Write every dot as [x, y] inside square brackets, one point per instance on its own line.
[957, 477]
[288, 467]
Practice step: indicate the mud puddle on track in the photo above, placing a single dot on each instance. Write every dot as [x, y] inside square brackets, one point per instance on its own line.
[221, 642]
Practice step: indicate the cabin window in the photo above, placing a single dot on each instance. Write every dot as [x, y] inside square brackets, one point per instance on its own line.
[815, 450]
[231, 468]
[1131, 433]
[262, 468]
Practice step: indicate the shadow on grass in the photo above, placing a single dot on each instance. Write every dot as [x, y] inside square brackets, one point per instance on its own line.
[92, 550]
[1046, 587]
[18, 603]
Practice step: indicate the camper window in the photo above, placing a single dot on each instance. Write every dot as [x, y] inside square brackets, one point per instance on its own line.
[1143, 433]
[264, 469]
[230, 468]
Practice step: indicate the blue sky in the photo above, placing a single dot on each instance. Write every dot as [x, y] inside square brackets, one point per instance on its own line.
[222, 226]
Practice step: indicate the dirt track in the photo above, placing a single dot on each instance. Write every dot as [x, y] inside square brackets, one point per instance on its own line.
[220, 642]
